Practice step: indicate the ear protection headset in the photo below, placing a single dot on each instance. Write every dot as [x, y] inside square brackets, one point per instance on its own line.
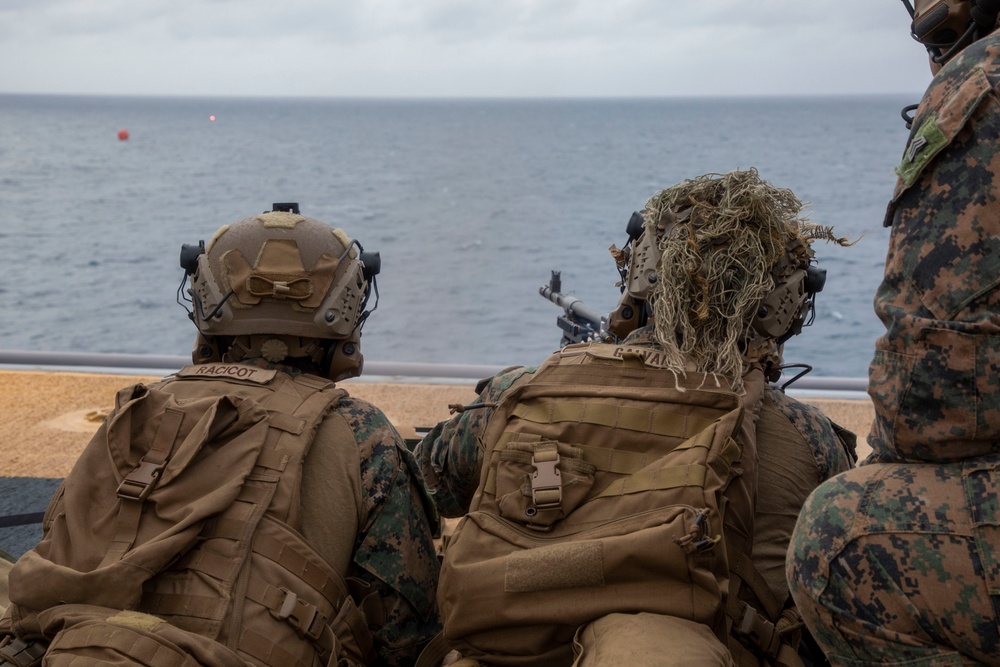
[946, 27]
[780, 315]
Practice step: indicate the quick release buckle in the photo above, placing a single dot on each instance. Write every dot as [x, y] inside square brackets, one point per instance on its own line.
[758, 630]
[546, 480]
[305, 618]
[139, 483]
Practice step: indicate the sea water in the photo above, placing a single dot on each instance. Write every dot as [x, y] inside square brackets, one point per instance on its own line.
[471, 204]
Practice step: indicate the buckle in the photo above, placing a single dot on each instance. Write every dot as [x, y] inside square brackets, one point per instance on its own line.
[139, 483]
[546, 482]
[304, 617]
[758, 630]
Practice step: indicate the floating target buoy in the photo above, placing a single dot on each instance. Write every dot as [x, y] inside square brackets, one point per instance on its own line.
[122, 135]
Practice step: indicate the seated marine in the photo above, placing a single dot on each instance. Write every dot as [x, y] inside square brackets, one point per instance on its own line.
[630, 501]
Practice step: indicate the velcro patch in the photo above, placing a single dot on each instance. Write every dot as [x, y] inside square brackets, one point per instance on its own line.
[941, 127]
[228, 372]
[135, 619]
[925, 144]
[572, 565]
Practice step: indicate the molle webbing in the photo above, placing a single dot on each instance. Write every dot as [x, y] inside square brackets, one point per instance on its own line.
[632, 464]
[658, 422]
[282, 591]
[601, 492]
[139, 483]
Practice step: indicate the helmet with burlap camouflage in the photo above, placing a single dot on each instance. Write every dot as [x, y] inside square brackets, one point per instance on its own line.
[281, 285]
[725, 268]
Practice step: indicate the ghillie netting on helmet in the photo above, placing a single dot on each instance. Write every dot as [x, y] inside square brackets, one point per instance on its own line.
[720, 236]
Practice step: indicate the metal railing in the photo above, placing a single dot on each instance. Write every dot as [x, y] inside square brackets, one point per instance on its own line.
[393, 370]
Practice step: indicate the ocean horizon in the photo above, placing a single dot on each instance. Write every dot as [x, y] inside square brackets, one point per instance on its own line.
[471, 203]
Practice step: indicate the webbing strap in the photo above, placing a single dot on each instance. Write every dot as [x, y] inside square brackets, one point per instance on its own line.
[749, 575]
[266, 651]
[609, 459]
[285, 422]
[208, 562]
[175, 604]
[126, 641]
[313, 382]
[605, 459]
[777, 641]
[255, 494]
[225, 527]
[309, 622]
[333, 588]
[643, 420]
[742, 656]
[273, 459]
[751, 626]
[17, 652]
[671, 477]
[138, 484]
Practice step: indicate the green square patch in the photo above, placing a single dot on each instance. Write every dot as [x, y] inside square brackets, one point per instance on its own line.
[923, 146]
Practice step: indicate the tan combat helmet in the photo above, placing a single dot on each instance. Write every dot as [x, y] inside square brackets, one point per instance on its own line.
[280, 286]
[945, 27]
[723, 265]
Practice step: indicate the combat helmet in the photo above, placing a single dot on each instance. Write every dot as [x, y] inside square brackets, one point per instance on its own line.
[945, 27]
[723, 266]
[280, 286]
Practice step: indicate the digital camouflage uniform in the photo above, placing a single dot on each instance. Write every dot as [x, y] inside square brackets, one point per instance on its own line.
[394, 549]
[798, 448]
[897, 561]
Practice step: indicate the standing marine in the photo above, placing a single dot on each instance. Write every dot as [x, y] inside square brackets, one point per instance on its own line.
[245, 510]
[898, 561]
[630, 500]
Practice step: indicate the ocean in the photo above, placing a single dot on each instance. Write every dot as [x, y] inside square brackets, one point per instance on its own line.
[471, 204]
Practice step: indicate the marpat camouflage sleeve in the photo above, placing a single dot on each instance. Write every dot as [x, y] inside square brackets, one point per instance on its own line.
[395, 549]
[935, 377]
[898, 561]
[450, 456]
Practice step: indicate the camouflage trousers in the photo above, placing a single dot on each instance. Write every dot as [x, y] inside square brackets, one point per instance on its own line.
[899, 563]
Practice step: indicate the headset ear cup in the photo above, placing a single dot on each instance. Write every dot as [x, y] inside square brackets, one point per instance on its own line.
[206, 349]
[984, 13]
[947, 24]
[924, 26]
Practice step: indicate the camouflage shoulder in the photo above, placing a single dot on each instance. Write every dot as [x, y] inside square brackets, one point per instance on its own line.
[832, 445]
[642, 336]
[490, 389]
[396, 543]
[950, 101]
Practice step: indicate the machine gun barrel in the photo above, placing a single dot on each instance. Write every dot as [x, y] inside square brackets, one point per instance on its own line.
[572, 306]
[579, 322]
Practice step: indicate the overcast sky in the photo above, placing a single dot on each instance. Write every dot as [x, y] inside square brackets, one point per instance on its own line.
[435, 48]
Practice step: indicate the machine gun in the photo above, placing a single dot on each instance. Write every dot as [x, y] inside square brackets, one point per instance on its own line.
[579, 322]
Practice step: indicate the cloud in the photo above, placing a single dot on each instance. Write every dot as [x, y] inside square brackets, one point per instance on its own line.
[456, 47]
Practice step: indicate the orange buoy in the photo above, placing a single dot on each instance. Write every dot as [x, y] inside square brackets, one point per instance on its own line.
[122, 135]
[211, 117]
